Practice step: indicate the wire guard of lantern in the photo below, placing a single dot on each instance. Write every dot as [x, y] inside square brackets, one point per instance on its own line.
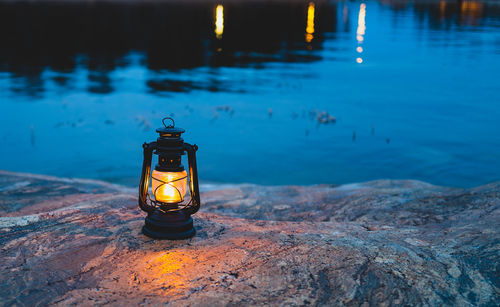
[169, 214]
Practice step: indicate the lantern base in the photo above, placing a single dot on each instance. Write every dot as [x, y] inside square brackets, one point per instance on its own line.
[170, 226]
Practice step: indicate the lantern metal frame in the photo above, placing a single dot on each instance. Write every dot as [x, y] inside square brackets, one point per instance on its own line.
[169, 220]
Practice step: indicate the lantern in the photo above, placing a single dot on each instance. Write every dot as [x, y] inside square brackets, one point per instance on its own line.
[169, 214]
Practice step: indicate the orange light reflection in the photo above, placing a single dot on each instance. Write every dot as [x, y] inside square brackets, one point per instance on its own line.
[310, 22]
[471, 12]
[219, 21]
[442, 8]
[472, 7]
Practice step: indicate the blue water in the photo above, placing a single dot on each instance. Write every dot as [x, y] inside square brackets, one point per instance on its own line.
[82, 86]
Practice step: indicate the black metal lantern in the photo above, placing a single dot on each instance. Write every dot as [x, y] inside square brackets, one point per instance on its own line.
[169, 215]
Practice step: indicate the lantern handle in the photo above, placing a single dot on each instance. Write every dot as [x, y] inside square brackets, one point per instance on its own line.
[194, 189]
[169, 126]
[146, 172]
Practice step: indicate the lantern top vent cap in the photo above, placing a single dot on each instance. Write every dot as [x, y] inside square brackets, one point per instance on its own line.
[170, 129]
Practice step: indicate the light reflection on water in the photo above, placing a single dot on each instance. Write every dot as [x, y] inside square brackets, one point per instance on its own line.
[219, 21]
[273, 93]
[310, 22]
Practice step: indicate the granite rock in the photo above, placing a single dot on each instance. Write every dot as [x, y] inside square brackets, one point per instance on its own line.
[71, 241]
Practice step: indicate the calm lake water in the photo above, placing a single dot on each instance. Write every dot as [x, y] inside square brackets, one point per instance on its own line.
[414, 89]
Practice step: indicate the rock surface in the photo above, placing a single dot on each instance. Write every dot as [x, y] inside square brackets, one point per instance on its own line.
[68, 241]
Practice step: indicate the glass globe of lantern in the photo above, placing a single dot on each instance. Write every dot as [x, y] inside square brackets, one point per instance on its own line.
[169, 187]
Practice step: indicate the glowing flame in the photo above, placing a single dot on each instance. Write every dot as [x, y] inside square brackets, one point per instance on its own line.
[361, 23]
[310, 22]
[169, 187]
[219, 21]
